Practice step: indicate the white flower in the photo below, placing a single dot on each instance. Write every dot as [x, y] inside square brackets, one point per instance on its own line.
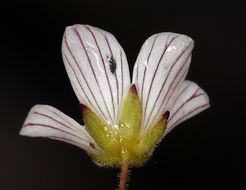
[118, 120]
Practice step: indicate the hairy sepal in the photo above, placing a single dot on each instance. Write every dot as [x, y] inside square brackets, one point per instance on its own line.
[131, 116]
[151, 138]
[124, 144]
[106, 137]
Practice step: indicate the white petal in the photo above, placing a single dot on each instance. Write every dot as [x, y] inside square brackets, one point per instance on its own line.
[97, 67]
[160, 69]
[190, 101]
[47, 121]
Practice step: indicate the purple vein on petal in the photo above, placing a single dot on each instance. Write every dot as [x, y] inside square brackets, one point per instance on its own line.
[116, 78]
[87, 84]
[177, 98]
[58, 115]
[70, 124]
[66, 140]
[53, 119]
[181, 93]
[146, 66]
[70, 65]
[63, 138]
[177, 84]
[52, 127]
[184, 116]
[77, 79]
[154, 75]
[188, 100]
[122, 79]
[181, 68]
[186, 61]
[137, 78]
[106, 73]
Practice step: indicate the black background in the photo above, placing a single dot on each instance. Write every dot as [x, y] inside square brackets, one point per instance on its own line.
[205, 152]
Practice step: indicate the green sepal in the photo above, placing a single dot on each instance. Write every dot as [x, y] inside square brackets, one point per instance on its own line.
[105, 136]
[131, 116]
[151, 138]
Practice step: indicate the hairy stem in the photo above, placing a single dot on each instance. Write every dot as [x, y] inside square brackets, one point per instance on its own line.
[123, 175]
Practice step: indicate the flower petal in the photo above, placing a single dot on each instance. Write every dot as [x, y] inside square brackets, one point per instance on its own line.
[97, 67]
[160, 69]
[190, 101]
[47, 121]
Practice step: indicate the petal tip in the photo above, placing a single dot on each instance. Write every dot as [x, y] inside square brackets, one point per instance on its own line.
[25, 132]
[21, 132]
[71, 27]
[69, 30]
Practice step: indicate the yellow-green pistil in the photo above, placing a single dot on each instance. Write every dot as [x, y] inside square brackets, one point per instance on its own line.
[124, 144]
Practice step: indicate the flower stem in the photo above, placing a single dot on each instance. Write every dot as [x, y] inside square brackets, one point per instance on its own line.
[125, 157]
[123, 175]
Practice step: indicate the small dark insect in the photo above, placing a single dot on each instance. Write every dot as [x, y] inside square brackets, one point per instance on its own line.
[92, 145]
[112, 65]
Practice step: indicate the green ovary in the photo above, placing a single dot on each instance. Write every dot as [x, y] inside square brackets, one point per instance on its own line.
[125, 143]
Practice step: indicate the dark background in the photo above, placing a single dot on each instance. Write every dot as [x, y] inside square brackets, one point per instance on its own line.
[205, 152]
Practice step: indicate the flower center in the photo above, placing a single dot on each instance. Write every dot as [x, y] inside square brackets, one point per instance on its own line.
[125, 143]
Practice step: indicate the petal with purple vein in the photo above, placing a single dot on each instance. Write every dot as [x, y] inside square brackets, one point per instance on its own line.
[97, 68]
[190, 101]
[160, 69]
[47, 121]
